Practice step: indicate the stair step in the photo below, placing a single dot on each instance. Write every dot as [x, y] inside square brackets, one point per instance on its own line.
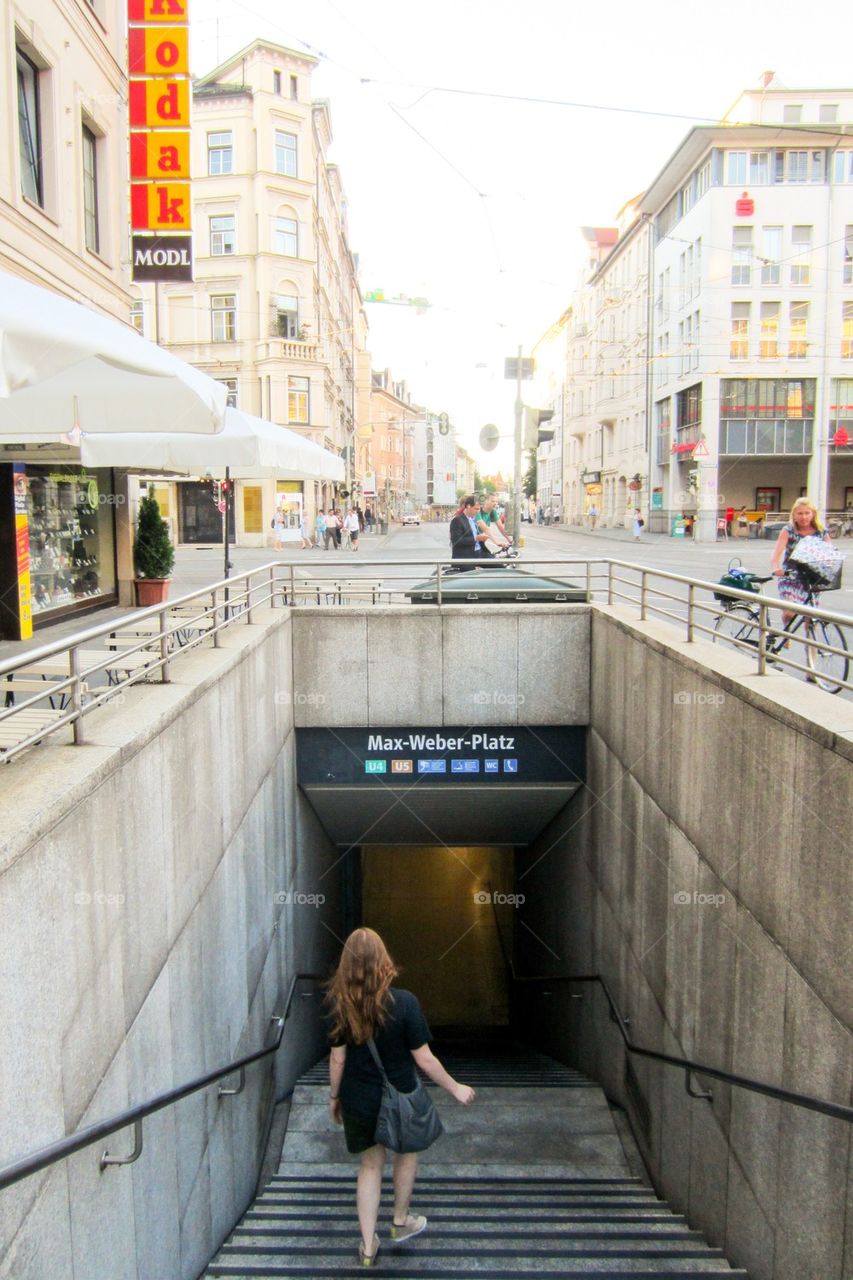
[518, 1269]
[307, 1234]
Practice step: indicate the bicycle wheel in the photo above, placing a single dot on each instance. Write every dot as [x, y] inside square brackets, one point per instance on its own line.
[829, 668]
[738, 628]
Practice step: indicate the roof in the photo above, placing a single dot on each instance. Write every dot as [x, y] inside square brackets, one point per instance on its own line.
[236, 59]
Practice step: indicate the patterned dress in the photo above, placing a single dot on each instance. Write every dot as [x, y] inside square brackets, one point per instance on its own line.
[791, 586]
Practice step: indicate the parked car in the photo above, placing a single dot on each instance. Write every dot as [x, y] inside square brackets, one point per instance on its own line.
[411, 517]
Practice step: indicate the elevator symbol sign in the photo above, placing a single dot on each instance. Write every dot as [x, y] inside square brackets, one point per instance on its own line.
[374, 766]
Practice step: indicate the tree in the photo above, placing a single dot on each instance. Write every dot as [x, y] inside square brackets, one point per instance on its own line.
[528, 479]
[153, 553]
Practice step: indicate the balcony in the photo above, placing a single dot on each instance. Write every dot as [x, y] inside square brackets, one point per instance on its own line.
[290, 350]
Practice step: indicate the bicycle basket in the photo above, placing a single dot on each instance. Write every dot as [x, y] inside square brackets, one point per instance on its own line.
[740, 579]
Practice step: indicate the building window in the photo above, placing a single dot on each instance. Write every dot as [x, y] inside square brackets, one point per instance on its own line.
[792, 114]
[285, 315]
[771, 252]
[736, 168]
[286, 237]
[294, 88]
[298, 400]
[847, 274]
[29, 130]
[844, 166]
[689, 406]
[801, 243]
[137, 316]
[827, 112]
[223, 235]
[766, 416]
[739, 342]
[768, 347]
[285, 153]
[741, 254]
[90, 190]
[847, 331]
[230, 385]
[694, 355]
[798, 319]
[220, 153]
[276, 82]
[223, 317]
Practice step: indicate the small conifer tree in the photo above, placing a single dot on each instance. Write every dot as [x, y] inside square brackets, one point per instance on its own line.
[153, 553]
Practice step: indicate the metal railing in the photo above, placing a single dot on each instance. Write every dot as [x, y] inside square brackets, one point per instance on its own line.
[167, 631]
[134, 1116]
[689, 1066]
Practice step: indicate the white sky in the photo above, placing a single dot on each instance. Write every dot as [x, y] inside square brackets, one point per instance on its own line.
[480, 214]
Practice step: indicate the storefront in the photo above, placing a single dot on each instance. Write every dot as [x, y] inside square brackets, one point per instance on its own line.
[57, 543]
[289, 501]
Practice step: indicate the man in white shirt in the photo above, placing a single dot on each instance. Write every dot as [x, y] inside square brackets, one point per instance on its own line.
[353, 528]
[331, 534]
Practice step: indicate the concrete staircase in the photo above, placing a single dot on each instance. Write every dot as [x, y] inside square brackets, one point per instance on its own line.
[531, 1180]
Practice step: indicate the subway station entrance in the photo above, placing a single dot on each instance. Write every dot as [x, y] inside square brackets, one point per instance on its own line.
[428, 821]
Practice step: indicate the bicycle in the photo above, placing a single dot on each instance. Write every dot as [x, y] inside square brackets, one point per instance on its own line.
[739, 627]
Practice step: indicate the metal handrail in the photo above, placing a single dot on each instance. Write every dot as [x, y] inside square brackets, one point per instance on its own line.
[282, 582]
[837, 1110]
[135, 1115]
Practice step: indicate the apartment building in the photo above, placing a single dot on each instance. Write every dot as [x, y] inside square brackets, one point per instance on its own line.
[753, 310]
[63, 165]
[63, 226]
[275, 310]
[710, 343]
[393, 423]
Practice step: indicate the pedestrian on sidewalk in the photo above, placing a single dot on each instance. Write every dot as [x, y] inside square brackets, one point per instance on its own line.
[331, 534]
[364, 1007]
[637, 524]
[593, 515]
[351, 525]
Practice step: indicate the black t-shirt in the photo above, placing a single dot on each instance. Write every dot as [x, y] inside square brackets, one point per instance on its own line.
[405, 1029]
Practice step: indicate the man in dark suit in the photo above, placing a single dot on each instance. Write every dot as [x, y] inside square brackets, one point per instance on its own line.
[466, 540]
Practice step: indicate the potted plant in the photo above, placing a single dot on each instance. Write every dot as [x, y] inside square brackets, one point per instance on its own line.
[153, 554]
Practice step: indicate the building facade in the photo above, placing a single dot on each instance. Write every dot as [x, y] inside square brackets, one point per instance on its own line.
[753, 311]
[63, 226]
[274, 311]
[710, 349]
[393, 424]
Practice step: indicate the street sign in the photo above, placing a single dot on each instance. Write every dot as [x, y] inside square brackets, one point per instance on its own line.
[701, 449]
[511, 367]
[489, 437]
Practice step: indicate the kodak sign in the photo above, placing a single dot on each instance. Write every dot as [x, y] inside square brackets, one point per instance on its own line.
[159, 112]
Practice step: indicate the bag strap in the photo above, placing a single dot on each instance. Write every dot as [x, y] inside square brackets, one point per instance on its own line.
[376, 1058]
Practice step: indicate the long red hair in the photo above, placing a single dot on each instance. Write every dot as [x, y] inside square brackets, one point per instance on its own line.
[358, 992]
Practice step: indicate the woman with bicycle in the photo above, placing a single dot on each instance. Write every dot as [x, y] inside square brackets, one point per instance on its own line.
[804, 523]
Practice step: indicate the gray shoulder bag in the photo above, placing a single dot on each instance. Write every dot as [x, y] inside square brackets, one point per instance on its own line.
[406, 1121]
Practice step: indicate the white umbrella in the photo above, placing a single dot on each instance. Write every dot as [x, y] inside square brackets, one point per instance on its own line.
[249, 447]
[63, 365]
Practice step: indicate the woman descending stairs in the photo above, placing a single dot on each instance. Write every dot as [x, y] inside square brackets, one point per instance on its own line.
[530, 1180]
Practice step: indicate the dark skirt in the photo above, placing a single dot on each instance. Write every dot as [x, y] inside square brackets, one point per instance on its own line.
[359, 1132]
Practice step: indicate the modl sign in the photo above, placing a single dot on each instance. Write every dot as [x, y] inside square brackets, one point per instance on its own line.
[162, 257]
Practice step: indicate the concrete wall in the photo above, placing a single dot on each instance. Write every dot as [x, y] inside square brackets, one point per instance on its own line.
[706, 874]
[146, 938]
[485, 666]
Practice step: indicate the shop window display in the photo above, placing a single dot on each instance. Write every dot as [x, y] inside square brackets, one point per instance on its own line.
[72, 559]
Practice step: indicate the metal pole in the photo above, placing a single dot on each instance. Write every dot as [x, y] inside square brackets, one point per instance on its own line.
[516, 483]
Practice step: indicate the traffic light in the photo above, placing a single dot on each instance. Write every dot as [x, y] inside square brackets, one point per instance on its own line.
[443, 424]
[533, 435]
[693, 480]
